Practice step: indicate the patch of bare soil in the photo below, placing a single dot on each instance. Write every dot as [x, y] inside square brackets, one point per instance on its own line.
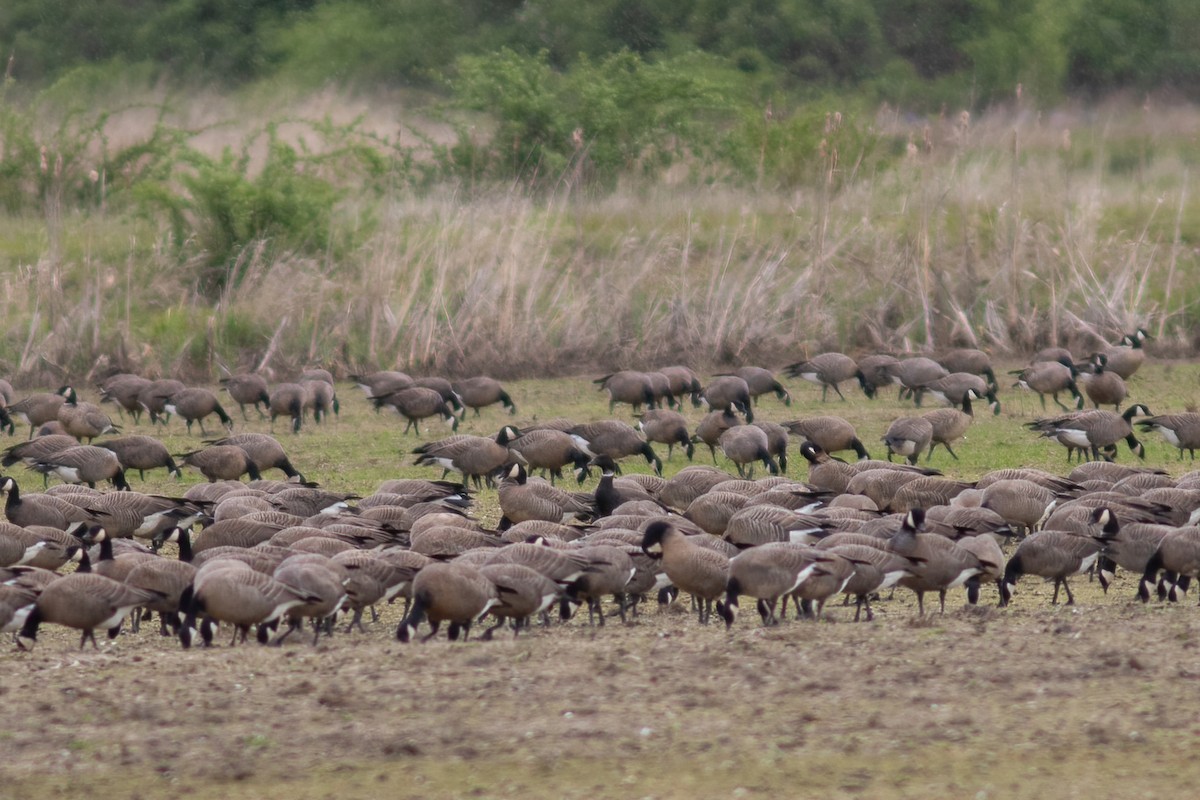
[980, 702]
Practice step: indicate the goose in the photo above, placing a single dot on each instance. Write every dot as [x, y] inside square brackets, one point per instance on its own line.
[415, 404]
[627, 386]
[745, 444]
[824, 471]
[264, 450]
[232, 592]
[1126, 357]
[444, 388]
[123, 390]
[551, 451]
[482, 391]
[248, 389]
[966, 360]
[754, 525]
[712, 426]
[875, 570]
[1055, 555]
[767, 572]
[221, 463]
[908, 437]
[84, 464]
[951, 390]
[950, 424]
[683, 381]
[321, 397]
[827, 370]
[34, 450]
[83, 601]
[692, 568]
[938, 564]
[925, 491]
[762, 381]
[912, 373]
[1022, 503]
[728, 393]
[688, 484]
[83, 420]
[1090, 431]
[522, 499]
[51, 548]
[1103, 386]
[323, 580]
[1050, 377]
[36, 409]
[38, 509]
[1178, 555]
[287, 400]
[831, 434]
[530, 593]
[153, 398]
[669, 427]
[193, 405]
[1181, 431]
[777, 442]
[1130, 548]
[449, 593]
[16, 602]
[141, 453]
[616, 440]
[475, 457]
[384, 382]
[608, 572]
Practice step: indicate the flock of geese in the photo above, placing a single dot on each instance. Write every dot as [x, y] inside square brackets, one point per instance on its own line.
[275, 555]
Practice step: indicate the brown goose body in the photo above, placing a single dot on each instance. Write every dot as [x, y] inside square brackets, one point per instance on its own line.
[248, 389]
[448, 593]
[83, 601]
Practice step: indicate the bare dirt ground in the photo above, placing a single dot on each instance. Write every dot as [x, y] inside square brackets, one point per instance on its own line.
[1095, 700]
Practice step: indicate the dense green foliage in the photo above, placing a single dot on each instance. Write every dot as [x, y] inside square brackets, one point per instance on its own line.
[913, 51]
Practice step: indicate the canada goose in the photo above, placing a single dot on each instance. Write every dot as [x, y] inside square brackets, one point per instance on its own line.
[1178, 554]
[1128, 355]
[627, 386]
[1103, 386]
[322, 580]
[951, 390]
[1050, 377]
[123, 390]
[443, 387]
[754, 525]
[925, 491]
[938, 564]
[609, 571]
[908, 437]
[51, 548]
[16, 548]
[522, 499]
[287, 399]
[308, 501]
[530, 593]
[482, 391]
[84, 464]
[777, 442]
[6, 422]
[381, 383]
[875, 569]
[831, 434]
[911, 373]
[16, 602]
[827, 370]
[612, 492]
[83, 601]
[1090, 431]
[415, 404]
[141, 453]
[688, 484]
[551, 451]
[762, 381]
[1022, 503]
[683, 381]
[745, 444]
[83, 420]
[701, 572]
[321, 397]
[476, 457]
[448, 593]
[767, 572]
[1130, 548]
[265, 451]
[1179, 430]
[881, 485]
[38, 509]
[153, 398]
[712, 426]
[988, 551]
[660, 385]
[238, 595]
[108, 562]
[34, 450]
[970, 361]
[950, 424]
[36, 409]
[824, 471]
[248, 389]
[669, 427]
[728, 393]
[616, 440]
[1054, 555]
[221, 463]
[712, 511]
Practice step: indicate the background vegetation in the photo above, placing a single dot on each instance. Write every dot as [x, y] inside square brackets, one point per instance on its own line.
[539, 187]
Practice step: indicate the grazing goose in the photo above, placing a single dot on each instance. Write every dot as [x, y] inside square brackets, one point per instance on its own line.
[321, 398]
[937, 564]
[875, 570]
[444, 388]
[688, 484]
[728, 393]
[1179, 430]
[123, 390]
[1050, 377]
[551, 450]
[767, 572]
[221, 463]
[383, 382]
[669, 427]
[248, 389]
[141, 453]
[34, 450]
[193, 405]
[683, 381]
[908, 437]
[323, 581]
[745, 444]
[153, 398]
[969, 361]
[265, 451]
[225, 591]
[831, 434]
[522, 499]
[712, 426]
[36, 410]
[83, 420]
[16, 602]
[482, 391]
[1126, 357]
[1178, 556]
[449, 593]
[609, 571]
[1130, 548]
[1055, 555]
[827, 370]
[39, 509]
[912, 373]
[629, 387]
[951, 390]
[950, 424]
[415, 404]
[475, 457]
[83, 601]
[1022, 503]
[84, 464]
[777, 442]
[1103, 386]
[1090, 431]
[616, 440]
[762, 381]
[530, 594]
[287, 400]
[692, 568]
